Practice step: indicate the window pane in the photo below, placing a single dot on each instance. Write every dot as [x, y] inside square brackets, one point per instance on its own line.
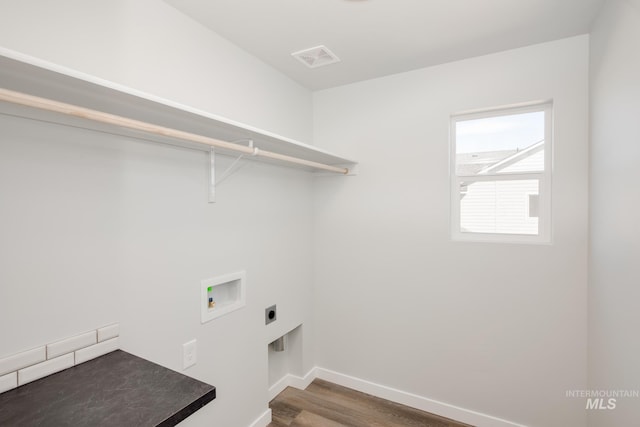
[503, 144]
[503, 207]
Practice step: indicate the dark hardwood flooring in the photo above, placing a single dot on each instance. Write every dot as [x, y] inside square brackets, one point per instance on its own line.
[324, 404]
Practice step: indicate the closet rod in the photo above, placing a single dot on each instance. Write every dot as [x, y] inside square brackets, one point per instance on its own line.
[112, 119]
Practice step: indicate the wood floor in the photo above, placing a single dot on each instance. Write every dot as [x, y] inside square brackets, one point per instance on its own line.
[324, 404]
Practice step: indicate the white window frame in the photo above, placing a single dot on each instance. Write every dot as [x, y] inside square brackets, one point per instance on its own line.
[544, 178]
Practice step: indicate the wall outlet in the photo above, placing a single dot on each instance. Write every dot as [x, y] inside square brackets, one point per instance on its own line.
[189, 354]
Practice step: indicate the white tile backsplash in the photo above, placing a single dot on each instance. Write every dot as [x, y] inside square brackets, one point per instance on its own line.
[108, 332]
[8, 382]
[30, 365]
[97, 350]
[22, 360]
[70, 344]
[43, 369]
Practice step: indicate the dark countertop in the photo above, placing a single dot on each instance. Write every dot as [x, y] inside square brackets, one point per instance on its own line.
[117, 389]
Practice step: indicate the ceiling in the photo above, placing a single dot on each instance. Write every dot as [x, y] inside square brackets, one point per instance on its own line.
[374, 38]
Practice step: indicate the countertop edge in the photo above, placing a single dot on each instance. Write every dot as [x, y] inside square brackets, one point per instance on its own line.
[188, 410]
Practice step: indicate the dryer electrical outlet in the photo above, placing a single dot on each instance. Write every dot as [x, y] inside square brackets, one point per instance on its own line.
[270, 315]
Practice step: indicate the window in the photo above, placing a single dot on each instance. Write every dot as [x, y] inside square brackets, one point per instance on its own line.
[501, 175]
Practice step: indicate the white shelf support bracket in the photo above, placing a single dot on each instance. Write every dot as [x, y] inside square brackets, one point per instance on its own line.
[212, 176]
[213, 182]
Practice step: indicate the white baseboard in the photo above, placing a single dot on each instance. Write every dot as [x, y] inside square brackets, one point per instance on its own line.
[429, 405]
[263, 420]
[412, 400]
[290, 380]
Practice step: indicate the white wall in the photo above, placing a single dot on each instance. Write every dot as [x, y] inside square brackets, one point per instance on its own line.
[150, 46]
[614, 204]
[495, 328]
[96, 229]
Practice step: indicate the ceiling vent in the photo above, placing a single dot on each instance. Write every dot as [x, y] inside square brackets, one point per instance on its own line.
[316, 57]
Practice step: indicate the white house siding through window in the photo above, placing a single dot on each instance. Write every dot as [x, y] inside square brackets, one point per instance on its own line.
[503, 206]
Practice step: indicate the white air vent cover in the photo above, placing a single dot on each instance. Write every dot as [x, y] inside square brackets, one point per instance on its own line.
[316, 57]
